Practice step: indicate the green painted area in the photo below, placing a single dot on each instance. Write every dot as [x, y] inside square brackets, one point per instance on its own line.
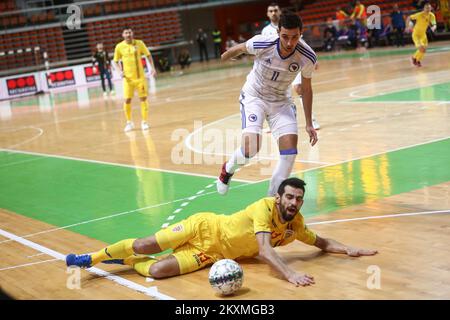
[437, 92]
[62, 192]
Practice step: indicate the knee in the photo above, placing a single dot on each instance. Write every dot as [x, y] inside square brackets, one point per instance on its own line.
[142, 246]
[157, 271]
[422, 49]
[128, 101]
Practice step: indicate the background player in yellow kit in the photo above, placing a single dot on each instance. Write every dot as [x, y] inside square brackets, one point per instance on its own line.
[204, 238]
[423, 20]
[130, 51]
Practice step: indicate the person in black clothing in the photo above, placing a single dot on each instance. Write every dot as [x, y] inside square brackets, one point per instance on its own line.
[201, 40]
[329, 37]
[398, 24]
[102, 61]
[184, 58]
[164, 63]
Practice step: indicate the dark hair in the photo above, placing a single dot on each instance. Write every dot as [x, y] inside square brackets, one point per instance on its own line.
[292, 182]
[127, 28]
[273, 4]
[290, 20]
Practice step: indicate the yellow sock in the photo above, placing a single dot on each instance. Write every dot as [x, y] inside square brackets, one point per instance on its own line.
[144, 110]
[420, 56]
[416, 54]
[127, 109]
[118, 250]
[141, 264]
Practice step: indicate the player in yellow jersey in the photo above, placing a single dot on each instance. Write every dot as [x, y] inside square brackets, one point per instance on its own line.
[129, 52]
[423, 20]
[204, 238]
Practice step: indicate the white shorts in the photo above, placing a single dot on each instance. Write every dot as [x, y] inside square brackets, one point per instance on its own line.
[298, 79]
[281, 116]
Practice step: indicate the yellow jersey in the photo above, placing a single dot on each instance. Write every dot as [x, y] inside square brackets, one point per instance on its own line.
[131, 54]
[423, 20]
[237, 231]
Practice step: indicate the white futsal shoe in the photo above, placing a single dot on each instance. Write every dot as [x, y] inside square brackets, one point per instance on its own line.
[223, 182]
[144, 125]
[315, 124]
[129, 126]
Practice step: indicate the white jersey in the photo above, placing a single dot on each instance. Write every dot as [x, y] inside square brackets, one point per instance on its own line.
[270, 30]
[272, 75]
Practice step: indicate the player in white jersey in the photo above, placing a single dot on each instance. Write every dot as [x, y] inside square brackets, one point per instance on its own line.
[297, 86]
[267, 95]
[273, 13]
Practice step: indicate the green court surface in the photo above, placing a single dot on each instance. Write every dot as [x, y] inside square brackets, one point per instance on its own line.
[63, 192]
[437, 92]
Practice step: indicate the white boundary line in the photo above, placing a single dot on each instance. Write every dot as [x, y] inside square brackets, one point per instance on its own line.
[46, 155]
[152, 291]
[379, 217]
[40, 132]
[28, 264]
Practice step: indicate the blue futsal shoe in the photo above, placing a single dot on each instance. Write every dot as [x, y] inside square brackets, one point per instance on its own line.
[82, 260]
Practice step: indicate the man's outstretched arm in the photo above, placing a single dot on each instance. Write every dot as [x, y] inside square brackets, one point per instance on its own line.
[332, 246]
[268, 254]
[234, 52]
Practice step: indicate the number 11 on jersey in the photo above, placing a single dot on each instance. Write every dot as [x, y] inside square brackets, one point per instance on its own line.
[275, 75]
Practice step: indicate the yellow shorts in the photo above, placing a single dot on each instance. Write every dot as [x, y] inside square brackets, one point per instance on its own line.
[130, 85]
[420, 40]
[193, 240]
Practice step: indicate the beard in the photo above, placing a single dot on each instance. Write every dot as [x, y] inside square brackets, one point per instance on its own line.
[288, 213]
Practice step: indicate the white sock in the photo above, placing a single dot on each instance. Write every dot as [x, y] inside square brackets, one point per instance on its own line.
[281, 172]
[237, 160]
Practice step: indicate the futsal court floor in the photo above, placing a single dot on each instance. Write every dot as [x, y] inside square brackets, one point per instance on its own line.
[72, 181]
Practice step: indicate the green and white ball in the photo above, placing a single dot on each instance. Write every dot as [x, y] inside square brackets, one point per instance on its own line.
[226, 276]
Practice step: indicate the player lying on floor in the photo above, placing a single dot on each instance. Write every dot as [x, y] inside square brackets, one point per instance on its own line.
[205, 238]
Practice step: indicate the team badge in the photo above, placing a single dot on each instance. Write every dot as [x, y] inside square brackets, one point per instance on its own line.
[178, 228]
[293, 67]
[252, 117]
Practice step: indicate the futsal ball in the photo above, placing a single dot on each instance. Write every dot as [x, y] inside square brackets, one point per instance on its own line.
[226, 276]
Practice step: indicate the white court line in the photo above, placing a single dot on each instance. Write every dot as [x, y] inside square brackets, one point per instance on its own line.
[329, 81]
[379, 217]
[46, 155]
[40, 132]
[28, 264]
[439, 102]
[152, 291]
